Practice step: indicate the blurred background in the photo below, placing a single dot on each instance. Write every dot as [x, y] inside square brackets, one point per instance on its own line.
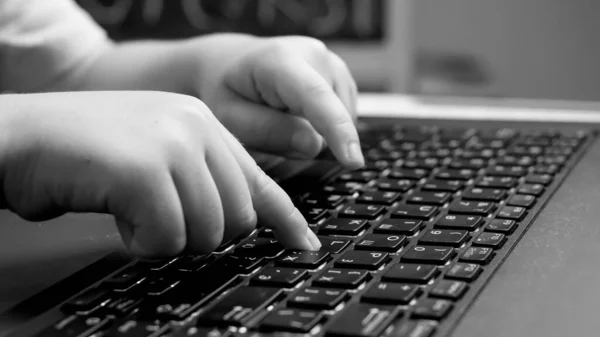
[539, 49]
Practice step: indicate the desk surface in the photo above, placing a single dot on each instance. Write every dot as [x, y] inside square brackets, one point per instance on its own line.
[33, 255]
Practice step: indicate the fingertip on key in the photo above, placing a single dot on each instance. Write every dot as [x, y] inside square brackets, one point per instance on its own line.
[355, 156]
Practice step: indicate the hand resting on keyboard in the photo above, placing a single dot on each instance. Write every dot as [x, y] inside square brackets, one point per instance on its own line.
[161, 163]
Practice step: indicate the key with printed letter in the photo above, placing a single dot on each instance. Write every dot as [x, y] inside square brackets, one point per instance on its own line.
[466, 222]
[360, 211]
[343, 227]
[398, 226]
[381, 242]
[238, 307]
[361, 260]
[302, 259]
[501, 226]
[378, 198]
[428, 254]
[279, 277]
[452, 290]
[318, 298]
[412, 273]
[391, 293]
[293, 320]
[442, 237]
[414, 212]
[340, 278]
[362, 320]
[484, 194]
[464, 271]
[511, 212]
[429, 198]
[481, 255]
[473, 207]
[332, 245]
[432, 309]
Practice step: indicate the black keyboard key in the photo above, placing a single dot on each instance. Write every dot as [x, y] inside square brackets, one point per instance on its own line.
[484, 194]
[192, 263]
[494, 134]
[512, 213]
[391, 293]
[292, 320]
[406, 173]
[160, 283]
[429, 198]
[130, 327]
[522, 200]
[87, 301]
[473, 163]
[359, 211]
[347, 188]
[361, 260]
[323, 201]
[414, 212]
[314, 215]
[75, 325]
[190, 294]
[343, 227]
[443, 185]
[260, 247]
[302, 259]
[497, 182]
[318, 298]
[545, 169]
[489, 239]
[443, 237]
[464, 271]
[452, 290]
[504, 226]
[362, 320]
[358, 176]
[531, 189]
[240, 264]
[432, 309]
[279, 277]
[332, 245]
[399, 226]
[125, 279]
[428, 254]
[506, 171]
[455, 174]
[340, 278]
[123, 305]
[542, 179]
[378, 198]
[381, 242]
[420, 328]
[480, 255]
[473, 207]
[466, 222]
[525, 161]
[156, 265]
[395, 185]
[266, 233]
[237, 307]
[411, 273]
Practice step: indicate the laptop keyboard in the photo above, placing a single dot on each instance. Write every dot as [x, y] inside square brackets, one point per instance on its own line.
[408, 243]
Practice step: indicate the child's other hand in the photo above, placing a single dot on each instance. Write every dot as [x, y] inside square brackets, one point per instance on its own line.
[161, 163]
[280, 95]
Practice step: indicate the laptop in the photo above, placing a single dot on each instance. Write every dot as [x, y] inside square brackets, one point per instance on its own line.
[454, 228]
[468, 220]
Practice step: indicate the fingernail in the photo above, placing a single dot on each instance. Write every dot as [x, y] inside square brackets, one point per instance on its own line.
[303, 143]
[312, 238]
[355, 154]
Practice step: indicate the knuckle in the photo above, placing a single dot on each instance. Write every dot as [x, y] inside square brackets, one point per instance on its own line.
[317, 89]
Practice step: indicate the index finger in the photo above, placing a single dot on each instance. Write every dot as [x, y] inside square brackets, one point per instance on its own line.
[273, 206]
[303, 89]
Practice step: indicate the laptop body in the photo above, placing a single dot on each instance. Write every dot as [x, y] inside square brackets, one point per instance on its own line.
[546, 285]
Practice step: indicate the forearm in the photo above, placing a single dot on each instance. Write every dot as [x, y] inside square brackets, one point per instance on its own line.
[143, 65]
[175, 66]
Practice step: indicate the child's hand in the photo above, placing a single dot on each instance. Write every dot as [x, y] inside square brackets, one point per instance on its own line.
[250, 83]
[168, 171]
